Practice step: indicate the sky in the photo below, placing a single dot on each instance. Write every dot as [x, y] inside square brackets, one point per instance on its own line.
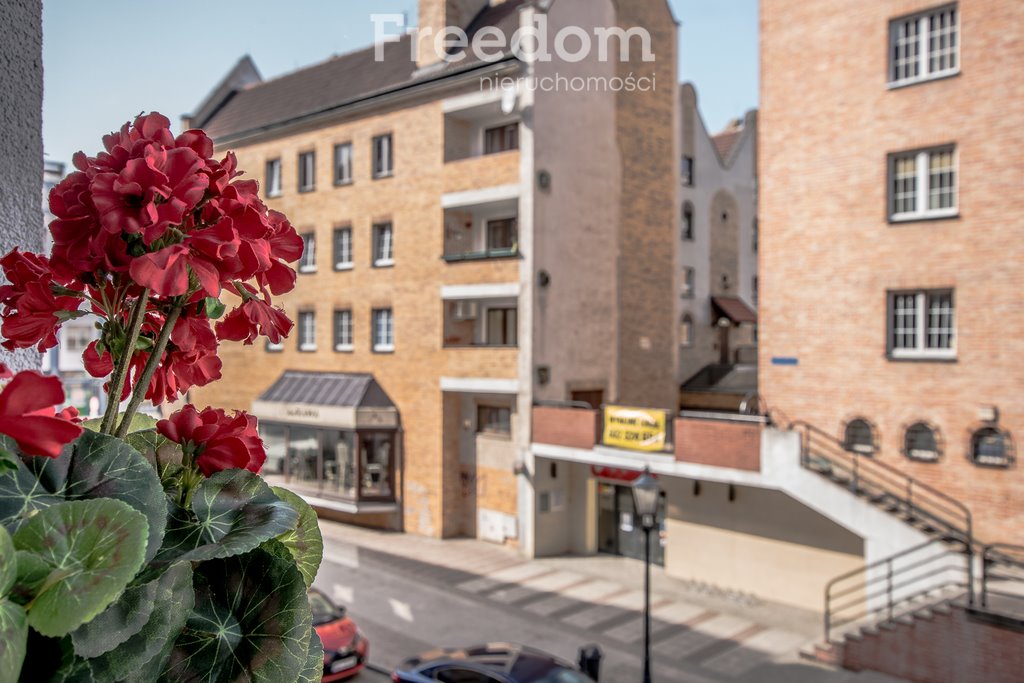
[107, 60]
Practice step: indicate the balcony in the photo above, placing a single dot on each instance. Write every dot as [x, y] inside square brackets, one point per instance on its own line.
[481, 323]
[478, 128]
[483, 231]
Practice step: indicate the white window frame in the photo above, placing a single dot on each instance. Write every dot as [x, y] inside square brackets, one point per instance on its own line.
[307, 167]
[307, 331]
[274, 184]
[341, 163]
[686, 331]
[687, 291]
[271, 347]
[343, 346]
[485, 328]
[383, 258]
[383, 343]
[341, 263]
[922, 20]
[308, 262]
[383, 155]
[923, 189]
[920, 351]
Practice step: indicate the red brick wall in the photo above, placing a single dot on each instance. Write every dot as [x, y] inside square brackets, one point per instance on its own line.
[828, 254]
[722, 444]
[948, 648]
[571, 427]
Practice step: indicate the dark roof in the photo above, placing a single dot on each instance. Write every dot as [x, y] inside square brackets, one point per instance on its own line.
[733, 308]
[337, 81]
[328, 389]
[733, 378]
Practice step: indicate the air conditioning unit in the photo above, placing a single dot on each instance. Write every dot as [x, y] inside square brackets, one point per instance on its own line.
[465, 310]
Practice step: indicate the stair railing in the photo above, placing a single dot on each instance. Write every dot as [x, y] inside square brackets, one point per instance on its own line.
[897, 585]
[1002, 577]
[883, 483]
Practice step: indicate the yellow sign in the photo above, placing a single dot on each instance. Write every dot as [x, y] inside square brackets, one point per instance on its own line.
[638, 429]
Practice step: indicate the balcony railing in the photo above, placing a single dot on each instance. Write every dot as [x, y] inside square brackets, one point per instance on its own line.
[509, 252]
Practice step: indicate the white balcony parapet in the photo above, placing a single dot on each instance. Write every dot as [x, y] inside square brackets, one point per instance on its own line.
[480, 385]
[502, 290]
[487, 195]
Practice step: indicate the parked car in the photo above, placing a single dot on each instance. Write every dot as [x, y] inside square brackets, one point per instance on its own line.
[345, 647]
[497, 663]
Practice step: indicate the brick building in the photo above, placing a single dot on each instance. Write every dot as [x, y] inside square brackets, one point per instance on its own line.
[473, 244]
[891, 164]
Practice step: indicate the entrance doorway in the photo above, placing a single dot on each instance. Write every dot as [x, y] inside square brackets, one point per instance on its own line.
[618, 526]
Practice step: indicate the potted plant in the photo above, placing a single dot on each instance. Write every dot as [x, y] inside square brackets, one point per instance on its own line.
[131, 549]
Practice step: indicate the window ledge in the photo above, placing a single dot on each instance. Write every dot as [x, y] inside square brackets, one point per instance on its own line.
[923, 357]
[274, 195]
[306, 190]
[384, 348]
[384, 263]
[275, 349]
[923, 217]
[343, 183]
[383, 176]
[306, 270]
[344, 348]
[906, 83]
[307, 348]
[343, 266]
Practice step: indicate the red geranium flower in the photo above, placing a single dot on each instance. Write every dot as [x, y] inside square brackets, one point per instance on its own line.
[28, 414]
[30, 306]
[214, 440]
[253, 318]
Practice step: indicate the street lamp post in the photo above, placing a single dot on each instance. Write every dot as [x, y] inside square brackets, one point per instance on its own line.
[645, 499]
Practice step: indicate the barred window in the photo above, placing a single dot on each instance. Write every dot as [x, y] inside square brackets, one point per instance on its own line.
[921, 443]
[992, 447]
[922, 324]
[859, 437]
[924, 46]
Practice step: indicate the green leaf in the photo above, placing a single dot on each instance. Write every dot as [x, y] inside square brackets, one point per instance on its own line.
[304, 542]
[251, 623]
[232, 512]
[93, 548]
[13, 623]
[8, 454]
[314, 670]
[141, 657]
[94, 466]
[214, 308]
[13, 637]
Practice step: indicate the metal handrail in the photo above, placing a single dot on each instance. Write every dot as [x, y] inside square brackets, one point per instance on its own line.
[882, 584]
[912, 492]
[1002, 562]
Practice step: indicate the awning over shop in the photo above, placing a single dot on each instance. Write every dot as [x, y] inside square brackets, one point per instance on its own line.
[327, 399]
[734, 309]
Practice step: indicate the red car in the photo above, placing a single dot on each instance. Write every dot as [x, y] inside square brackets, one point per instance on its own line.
[345, 647]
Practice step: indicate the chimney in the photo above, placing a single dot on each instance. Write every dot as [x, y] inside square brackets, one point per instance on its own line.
[436, 16]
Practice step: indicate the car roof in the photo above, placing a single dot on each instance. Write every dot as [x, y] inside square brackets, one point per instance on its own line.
[504, 658]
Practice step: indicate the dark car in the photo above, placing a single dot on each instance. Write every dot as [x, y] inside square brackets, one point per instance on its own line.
[345, 647]
[492, 663]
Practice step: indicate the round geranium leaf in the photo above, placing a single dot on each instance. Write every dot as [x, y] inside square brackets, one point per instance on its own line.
[314, 671]
[13, 636]
[93, 467]
[92, 548]
[8, 564]
[304, 542]
[232, 512]
[251, 623]
[141, 657]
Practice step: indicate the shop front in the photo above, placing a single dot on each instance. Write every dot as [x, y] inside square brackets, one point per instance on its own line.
[334, 439]
[618, 525]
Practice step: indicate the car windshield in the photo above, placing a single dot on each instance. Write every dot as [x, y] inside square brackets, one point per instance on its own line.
[533, 669]
[323, 609]
[561, 675]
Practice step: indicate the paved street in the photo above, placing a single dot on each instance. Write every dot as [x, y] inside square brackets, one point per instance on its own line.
[410, 595]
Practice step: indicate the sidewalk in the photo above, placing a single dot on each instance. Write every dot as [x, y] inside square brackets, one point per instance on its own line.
[729, 637]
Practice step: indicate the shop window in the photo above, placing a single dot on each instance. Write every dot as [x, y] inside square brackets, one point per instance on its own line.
[275, 439]
[991, 447]
[376, 463]
[859, 437]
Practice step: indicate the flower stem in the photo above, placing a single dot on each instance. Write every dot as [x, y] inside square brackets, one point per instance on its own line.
[138, 314]
[142, 385]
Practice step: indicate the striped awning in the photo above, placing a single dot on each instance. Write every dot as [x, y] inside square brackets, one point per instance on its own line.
[328, 399]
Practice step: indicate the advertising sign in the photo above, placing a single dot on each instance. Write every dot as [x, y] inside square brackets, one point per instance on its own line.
[636, 429]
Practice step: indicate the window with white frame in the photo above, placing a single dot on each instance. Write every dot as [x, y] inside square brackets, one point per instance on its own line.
[923, 184]
[343, 163]
[924, 46]
[307, 331]
[307, 171]
[307, 264]
[383, 245]
[686, 330]
[689, 277]
[273, 188]
[274, 347]
[502, 326]
[383, 330]
[343, 330]
[922, 324]
[383, 156]
[343, 248]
